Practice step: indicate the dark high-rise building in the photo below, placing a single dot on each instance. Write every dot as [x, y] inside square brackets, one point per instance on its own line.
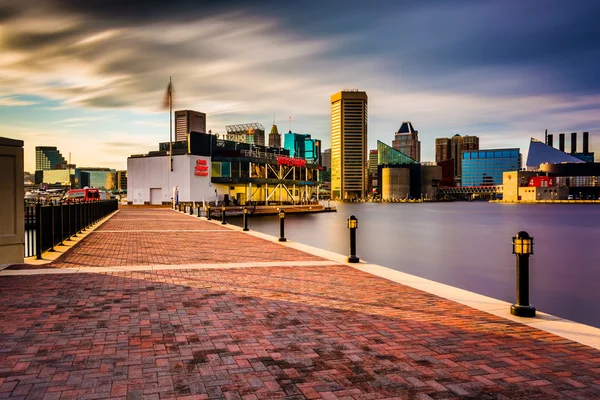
[451, 149]
[49, 158]
[122, 180]
[274, 137]
[188, 120]
[406, 141]
[442, 149]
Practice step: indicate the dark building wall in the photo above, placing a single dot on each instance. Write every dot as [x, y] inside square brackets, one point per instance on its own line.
[415, 178]
[574, 169]
[447, 173]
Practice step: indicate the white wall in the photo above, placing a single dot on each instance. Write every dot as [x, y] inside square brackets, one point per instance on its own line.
[144, 173]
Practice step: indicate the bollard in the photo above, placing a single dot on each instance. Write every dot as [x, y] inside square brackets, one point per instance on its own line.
[223, 217]
[199, 209]
[281, 226]
[191, 209]
[208, 213]
[245, 219]
[352, 225]
[523, 248]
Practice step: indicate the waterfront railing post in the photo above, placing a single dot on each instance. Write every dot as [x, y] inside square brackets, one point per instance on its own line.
[191, 209]
[522, 248]
[199, 209]
[245, 219]
[352, 225]
[208, 213]
[68, 202]
[282, 226]
[52, 225]
[38, 230]
[223, 216]
[62, 224]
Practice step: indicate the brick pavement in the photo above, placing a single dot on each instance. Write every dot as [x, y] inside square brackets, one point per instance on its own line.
[161, 236]
[265, 333]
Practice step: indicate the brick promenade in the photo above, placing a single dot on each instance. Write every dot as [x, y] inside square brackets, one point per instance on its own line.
[294, 332]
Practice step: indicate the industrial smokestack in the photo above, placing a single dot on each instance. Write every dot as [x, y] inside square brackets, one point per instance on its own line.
[546, 137]
[561, 142]
[573, 142]
[550, 140]
[586, 143]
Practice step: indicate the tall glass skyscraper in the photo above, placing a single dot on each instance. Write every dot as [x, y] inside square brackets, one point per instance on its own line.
[485, 167]
[300, 145]
[349, 145]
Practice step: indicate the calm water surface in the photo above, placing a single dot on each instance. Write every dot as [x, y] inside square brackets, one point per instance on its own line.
[468, 245]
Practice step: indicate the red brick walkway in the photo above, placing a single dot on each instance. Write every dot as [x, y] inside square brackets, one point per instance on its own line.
[264, 333]
[161, 236]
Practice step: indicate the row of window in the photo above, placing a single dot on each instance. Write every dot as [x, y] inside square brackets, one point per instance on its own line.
[479, 154]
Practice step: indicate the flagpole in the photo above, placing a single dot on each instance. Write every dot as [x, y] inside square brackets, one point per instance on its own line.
[170, 125]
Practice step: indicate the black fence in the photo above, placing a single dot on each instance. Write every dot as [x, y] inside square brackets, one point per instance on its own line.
[49, 225]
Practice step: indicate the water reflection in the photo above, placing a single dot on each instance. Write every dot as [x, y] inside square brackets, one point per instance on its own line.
[468, 245]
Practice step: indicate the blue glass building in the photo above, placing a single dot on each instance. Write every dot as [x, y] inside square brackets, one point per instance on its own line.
[485, 167]
[300, 145]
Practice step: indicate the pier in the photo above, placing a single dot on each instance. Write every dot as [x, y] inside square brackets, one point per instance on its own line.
[158, 304]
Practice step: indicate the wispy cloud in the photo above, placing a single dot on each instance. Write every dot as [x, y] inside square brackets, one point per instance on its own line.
[14, 102]
[82, 119]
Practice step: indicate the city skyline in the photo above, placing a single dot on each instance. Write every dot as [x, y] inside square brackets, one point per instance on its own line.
[91, 81]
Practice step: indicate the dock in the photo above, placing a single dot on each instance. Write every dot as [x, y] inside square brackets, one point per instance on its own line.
[157, 304]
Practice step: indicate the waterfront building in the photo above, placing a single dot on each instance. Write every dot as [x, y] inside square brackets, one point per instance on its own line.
[274, 137]
[486, 167]
[188, 120]
[401, 177]
[301, 145]
[372, 172]
[349, 144]
[451, 149]
[122, 180]
[252, 133]
[100, 178]
[49, 158]
[585, 155]
[213, 170]
[406, 141]
[325, 174]
[541, 153]
[326, 158]
[60, 177]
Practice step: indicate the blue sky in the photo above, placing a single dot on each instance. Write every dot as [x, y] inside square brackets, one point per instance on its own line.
[89, 77]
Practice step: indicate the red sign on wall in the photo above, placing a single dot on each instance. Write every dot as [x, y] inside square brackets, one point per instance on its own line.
[290, 161]
[541, 181]
[201, 168]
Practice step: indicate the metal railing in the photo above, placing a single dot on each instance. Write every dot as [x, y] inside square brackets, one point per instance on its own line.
[49, 225]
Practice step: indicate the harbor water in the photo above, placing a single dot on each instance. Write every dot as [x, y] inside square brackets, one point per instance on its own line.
[468, 245]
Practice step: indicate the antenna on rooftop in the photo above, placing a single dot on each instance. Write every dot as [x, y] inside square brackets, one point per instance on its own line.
[290, 125]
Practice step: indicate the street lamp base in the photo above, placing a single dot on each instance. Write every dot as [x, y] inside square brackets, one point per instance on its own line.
[245, 229]
[522, 311]
[282, 239]
[353, 259]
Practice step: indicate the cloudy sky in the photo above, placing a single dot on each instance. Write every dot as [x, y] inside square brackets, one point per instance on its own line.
[90, 76]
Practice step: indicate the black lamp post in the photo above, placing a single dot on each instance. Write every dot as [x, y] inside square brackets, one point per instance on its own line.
[245, 219]
[208, 213]
[523, 248]
[223, 217]
[352, 225]
[281, 225]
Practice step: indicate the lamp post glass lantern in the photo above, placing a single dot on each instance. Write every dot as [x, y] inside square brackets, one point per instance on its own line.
[522, 248]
